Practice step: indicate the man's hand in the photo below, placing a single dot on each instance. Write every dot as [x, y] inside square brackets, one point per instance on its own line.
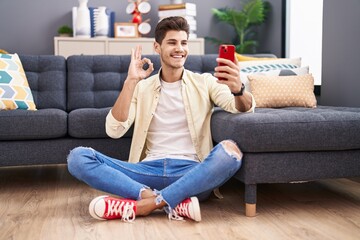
[231, 73]
[136, 71]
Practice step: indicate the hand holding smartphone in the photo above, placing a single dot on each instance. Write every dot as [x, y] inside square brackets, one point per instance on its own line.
[227, 52]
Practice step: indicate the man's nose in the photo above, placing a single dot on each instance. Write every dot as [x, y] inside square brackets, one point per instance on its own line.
[179, 47]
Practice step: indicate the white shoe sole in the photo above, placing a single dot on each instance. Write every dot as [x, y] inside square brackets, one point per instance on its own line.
[196, 209]
[92, 207]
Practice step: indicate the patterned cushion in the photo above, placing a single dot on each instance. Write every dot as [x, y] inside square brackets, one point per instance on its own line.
[268, 65]
[278, 72]
[283, 91]
[14, 87]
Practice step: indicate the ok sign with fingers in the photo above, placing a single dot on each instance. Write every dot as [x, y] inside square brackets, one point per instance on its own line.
[136, 71]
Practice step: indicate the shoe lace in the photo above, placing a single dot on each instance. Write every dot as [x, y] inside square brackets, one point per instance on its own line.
[123, 209]
[179, 211]
[173, 215]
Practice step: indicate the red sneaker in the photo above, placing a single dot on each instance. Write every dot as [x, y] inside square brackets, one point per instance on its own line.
[107, 208]
[189, 208]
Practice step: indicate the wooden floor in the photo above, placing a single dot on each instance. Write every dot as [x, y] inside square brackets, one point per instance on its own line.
[47, 203]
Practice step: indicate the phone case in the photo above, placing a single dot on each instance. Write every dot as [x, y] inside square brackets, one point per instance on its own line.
[227, 52]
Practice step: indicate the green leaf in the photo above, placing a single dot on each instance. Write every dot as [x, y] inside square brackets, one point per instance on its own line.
[240, 21]
[255, 11]
[223, 15]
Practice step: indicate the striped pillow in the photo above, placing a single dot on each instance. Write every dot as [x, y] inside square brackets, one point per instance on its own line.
[269, 65]
[15, 92]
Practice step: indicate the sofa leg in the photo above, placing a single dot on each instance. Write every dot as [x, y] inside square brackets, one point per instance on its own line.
[250, 200]
[250, 210]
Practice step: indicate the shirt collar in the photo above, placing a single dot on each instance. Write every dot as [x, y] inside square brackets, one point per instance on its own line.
[184, 79]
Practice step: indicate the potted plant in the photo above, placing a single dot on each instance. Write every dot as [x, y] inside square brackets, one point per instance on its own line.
[65, 31]
[252, 14]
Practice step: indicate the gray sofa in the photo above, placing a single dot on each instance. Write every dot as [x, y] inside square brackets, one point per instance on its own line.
[74, 95]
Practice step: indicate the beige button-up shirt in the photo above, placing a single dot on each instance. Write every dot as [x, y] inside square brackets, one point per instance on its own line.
[199, 91]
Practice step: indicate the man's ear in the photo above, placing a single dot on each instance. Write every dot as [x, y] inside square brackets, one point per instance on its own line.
[157, 47]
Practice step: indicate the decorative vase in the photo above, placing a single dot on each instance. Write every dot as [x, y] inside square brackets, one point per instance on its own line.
[101, 23]
[83, 28]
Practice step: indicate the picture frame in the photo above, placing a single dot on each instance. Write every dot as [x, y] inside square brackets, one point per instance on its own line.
[126, 30]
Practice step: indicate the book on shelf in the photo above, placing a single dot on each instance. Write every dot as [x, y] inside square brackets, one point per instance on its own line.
[190, 6]
[176, 12]
[185, 10]
[192, 35]
[192, 27]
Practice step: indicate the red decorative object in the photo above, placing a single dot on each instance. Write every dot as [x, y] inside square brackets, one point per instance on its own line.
[137, 18]
[137, 8]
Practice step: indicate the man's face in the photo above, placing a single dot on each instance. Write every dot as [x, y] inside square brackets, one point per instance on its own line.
[173, 49]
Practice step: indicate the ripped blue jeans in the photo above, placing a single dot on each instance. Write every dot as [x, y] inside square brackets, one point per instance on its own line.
[172, 180]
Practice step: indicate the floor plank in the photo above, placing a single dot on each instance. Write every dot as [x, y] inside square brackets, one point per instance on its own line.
[45, 202]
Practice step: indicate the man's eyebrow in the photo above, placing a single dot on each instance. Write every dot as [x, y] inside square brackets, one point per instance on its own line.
[175, 40]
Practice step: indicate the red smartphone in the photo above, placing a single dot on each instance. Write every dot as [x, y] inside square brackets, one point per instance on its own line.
[227, 52]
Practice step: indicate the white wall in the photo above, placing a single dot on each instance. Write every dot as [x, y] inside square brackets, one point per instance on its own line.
[341, 51]
[304, 28]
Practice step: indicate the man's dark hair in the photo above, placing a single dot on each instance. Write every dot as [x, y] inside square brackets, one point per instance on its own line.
[168, 24]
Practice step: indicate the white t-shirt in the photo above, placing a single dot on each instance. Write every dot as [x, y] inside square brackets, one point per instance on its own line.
[168, 134]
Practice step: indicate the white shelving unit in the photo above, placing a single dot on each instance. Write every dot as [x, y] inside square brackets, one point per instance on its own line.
[66, 46]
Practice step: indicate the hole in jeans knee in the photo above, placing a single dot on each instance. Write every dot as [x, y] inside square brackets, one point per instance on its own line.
[231, 148]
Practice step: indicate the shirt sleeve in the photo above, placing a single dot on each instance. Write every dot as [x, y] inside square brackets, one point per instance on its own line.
[115, 128]
[221, 95]
[253, 104]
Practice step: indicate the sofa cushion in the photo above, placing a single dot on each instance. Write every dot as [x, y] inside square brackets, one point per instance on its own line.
[290, 129]
[89, 123]
[47, 79]
[31, 125]
[95, 81]
[283, 91]
[15, 92]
